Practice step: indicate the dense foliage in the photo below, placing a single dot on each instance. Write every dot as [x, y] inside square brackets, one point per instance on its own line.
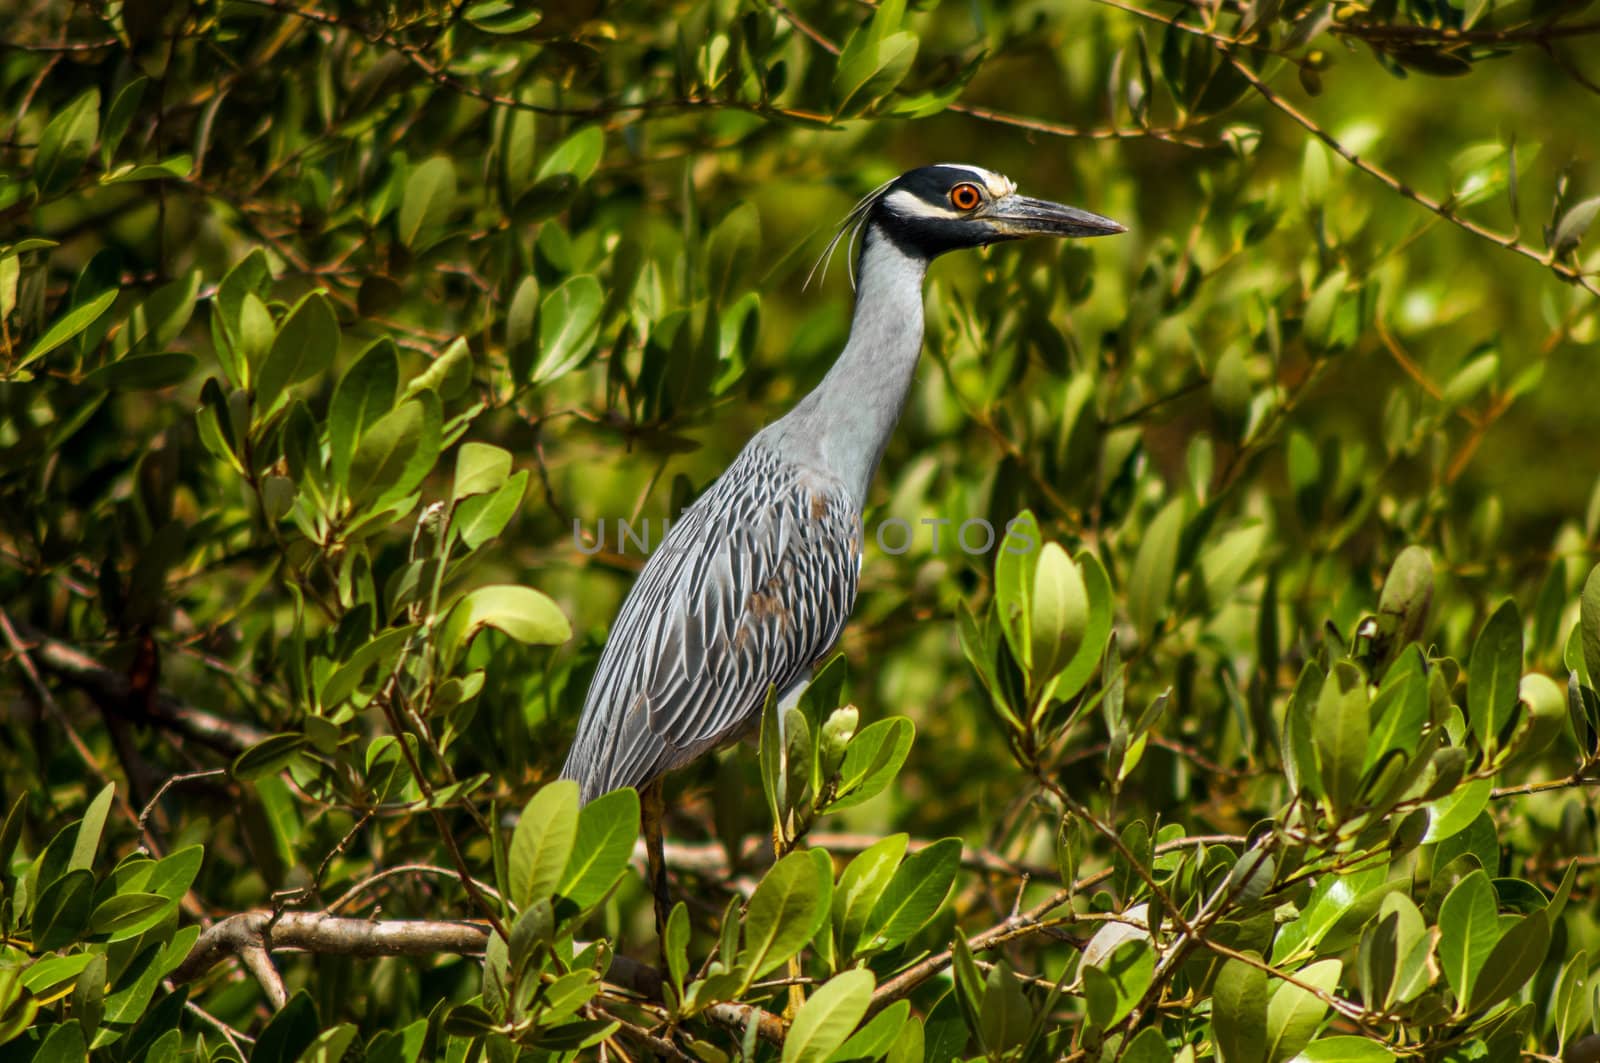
[338, 342]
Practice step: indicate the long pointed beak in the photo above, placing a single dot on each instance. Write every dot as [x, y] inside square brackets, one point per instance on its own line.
[1026, 216]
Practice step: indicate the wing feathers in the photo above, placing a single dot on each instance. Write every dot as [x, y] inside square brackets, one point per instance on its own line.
[751, 586]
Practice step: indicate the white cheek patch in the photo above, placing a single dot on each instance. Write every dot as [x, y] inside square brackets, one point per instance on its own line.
[908, 205]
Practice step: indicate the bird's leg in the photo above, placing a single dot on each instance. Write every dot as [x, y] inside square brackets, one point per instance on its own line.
[652, 810]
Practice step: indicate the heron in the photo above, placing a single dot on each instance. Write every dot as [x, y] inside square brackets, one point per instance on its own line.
[752, 585]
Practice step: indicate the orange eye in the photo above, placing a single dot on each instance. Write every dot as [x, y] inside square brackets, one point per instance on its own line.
[966, 197]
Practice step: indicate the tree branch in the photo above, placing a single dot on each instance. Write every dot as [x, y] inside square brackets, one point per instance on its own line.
[112, 692]
[251, 936]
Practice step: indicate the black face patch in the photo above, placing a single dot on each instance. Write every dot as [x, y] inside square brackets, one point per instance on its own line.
[931, 237]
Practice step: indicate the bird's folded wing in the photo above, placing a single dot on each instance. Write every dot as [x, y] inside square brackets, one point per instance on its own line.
[748, 590]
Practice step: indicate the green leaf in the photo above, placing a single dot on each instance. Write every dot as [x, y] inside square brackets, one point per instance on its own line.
[1147, 1046]
[1005, 1016]
[1322, 325]
[68, 325]
[1469, 926]
[480, 468]
[17, 1006]
[1294, 1013]
[53, 972]
[62, 912]
[876, 1037]
[569, 324]
[521, 612]
[256, 331]
[915, 893]
[607, 827]
[1395, 953]
[1154, 568]
[1340, 730]
[382, 651]
[118, 117]
[268, 757]
[304, 347]
[1589, 624]
[425, 205]
[1127, 970]
[447, 376]
[126, 910]
[1493, 672]
[543, 842]
[290, 1032]
[1015, 563]
[578, 156]
[363, 396]
[1344, 1050]
[482, 517]
[1060, 614]
[872, 760]
[1399, 712]
[160, 318]
[1239, 1012]
[1571, 1003]
[63, 1044]
[1570, 230]
[861, 884]
[870, 66]
[170, 878]
[177, 166]
[330, 1045]
[90, 829]
[1470, 380]
[1456, 810]
[143, 372]
[387, 453]
[1513, 961]
[1404, 604]
[826, 1019]
[1102, 613]
[502, 17]
[66, 143]
[675, 946]
[521, 321]
[784, 913]
[515, 147]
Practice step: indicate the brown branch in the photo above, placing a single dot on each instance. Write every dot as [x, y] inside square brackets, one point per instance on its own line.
[647, 981]
[463, 870]
[112, 691]
[1576, 779]
[327, 934]
[315, 932]
[63, 46]
[255, 960]
[755, 852]
[379, 877]
[1226, 46]
[1506, 240]
[1553, 31]
[1029, 922]
[1172, 135]
[444, 78]
[25, 662]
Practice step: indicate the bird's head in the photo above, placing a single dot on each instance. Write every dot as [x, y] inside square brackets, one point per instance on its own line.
[933, 209]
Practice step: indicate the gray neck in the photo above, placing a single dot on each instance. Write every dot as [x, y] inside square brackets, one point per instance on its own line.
[843, 426]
